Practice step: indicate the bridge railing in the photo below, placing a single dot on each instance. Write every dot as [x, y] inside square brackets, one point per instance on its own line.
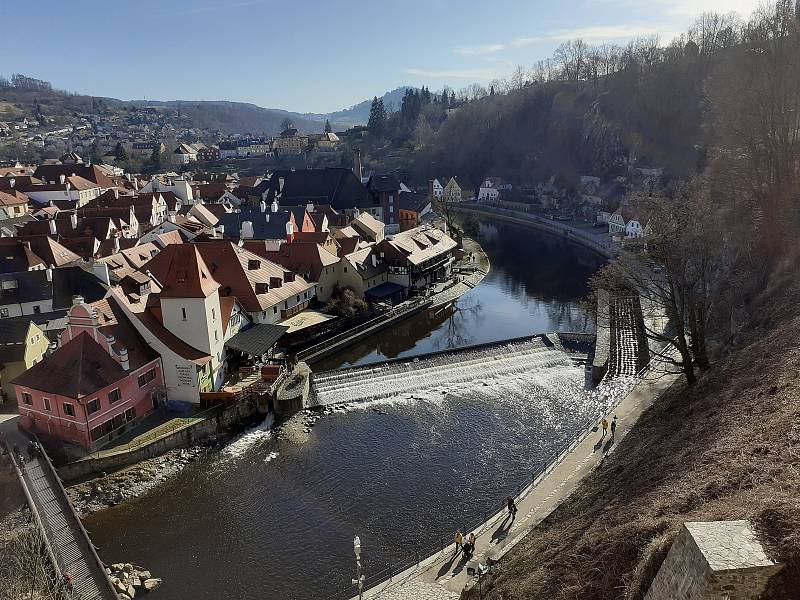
[433, 552]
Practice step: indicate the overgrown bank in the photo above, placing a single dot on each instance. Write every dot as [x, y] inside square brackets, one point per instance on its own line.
[726, 448]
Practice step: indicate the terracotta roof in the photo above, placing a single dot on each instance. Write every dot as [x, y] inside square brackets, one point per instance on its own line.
[238, 276]
[77, 369]
[170, 237]
[182, 273]
[50, 251]
[304, 258]
[422, 243]
[16, 255]
[12, 198]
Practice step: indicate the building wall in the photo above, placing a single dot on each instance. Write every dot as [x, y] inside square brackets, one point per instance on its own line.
[328, 280]
[135, 402]
[26, 308]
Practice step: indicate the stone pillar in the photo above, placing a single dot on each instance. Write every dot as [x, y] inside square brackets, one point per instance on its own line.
[717, 560]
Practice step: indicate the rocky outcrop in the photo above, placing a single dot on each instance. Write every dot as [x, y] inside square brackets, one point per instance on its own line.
[129, 580]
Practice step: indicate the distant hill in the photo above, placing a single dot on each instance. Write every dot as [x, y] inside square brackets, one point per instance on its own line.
[226, 116]
[359, 113]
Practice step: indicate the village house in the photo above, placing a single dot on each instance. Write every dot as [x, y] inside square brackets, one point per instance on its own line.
[363, 271]
[386, 188]
[46, 290]
[436, 189]
[252, 147]
[418, 257]
[13, 204]
[24, 345]
[368, 227]
[290, 142]
[625, 222]
[101, 381]
[179, 186]
[184, 154]
[325, 142]
[72, 188]
[454, 191]
[209, 153]
[307, 259]
[228, 150]
[411, 208]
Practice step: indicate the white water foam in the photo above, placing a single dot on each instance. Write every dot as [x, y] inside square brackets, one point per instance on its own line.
[271, 456]
[262, 432]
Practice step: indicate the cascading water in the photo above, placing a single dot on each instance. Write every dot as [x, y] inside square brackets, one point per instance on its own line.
[447, 372]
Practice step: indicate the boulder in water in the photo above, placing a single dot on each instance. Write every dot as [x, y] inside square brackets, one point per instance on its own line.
[151, 584]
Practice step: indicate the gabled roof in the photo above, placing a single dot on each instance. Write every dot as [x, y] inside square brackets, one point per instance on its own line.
[383, 183]
[362, 260]
[263, 229]
[13, 198]
[413, 201]
[421, 243]
[182, 273]
[69, 282]
[53, 253]
[16, 255]
[367, 226]
[304, 258]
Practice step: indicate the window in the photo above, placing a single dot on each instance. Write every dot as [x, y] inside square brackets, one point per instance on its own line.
[46, 402]
[183, 313]
[298, 297]
[213, 314]
[69, 410]
[147, 377]
[345, 269]
[216, 335]
[26, 398]
[130, 414]
[37, 310]
[93, 406]
[3, 312]
[274, 310]
[114, 396]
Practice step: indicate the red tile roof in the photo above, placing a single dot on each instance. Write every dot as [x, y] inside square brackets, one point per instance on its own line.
[182, 272]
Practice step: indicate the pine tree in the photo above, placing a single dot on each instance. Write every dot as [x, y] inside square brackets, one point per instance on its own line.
[119, 152]
[377, 117]
[155, 156]
[328, 128]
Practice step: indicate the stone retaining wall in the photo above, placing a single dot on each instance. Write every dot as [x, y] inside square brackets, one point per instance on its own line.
[181, 438]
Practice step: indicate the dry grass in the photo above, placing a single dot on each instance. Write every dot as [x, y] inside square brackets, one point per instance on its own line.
[729, 448]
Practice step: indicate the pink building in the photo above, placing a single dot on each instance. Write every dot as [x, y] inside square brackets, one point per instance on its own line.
[100, 382]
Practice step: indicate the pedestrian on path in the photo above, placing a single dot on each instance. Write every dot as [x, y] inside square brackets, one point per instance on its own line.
[471, 539]
[459, 539]
[512, 507]
[604, 425]
[613, 427]
[31, 450]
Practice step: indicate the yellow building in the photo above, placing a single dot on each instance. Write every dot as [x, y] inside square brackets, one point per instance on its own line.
[23, 345]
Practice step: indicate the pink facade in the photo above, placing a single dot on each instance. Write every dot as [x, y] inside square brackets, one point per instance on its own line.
[91, 418]
[102, 425]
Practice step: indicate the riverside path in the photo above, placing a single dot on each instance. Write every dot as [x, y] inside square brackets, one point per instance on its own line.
[445, 574]
[69, 545]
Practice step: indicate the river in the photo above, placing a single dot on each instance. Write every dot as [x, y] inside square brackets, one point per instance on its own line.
[266, 518]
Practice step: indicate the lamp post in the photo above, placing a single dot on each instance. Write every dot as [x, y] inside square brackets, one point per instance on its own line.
[360, 578]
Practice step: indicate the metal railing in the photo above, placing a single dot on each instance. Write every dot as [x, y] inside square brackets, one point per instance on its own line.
[432, 552]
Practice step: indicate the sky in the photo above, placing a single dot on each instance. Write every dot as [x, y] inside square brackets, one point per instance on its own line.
[312, 55]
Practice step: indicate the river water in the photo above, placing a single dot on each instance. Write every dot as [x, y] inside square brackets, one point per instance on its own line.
[267, 518]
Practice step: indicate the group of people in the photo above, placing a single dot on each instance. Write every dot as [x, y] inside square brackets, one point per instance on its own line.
[604, 424]
[467, 546]
[34, 450]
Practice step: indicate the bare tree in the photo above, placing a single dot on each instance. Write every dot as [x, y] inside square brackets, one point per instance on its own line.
[25, 570]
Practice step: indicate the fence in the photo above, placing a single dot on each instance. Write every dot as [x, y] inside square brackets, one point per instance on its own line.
[433, 552]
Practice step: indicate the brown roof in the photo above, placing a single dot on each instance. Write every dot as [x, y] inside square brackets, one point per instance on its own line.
[50, 251]
[304, 258]
[91, 173]
[77, 369]
[170, 237]
[12, 198]
[182, 272]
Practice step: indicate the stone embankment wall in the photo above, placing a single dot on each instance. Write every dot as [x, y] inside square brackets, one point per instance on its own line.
[721, 560]
[192, 434]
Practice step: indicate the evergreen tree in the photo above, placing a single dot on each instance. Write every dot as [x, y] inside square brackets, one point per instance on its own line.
[328, 128]
[119, 152]
[491, 91]
[155, 156]
[377, 117]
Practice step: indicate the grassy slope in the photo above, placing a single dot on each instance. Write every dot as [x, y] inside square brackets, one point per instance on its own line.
[727, 449]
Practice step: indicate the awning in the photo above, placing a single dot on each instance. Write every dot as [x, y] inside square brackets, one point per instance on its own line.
[304, 319]
[256, 340]
[384, 290]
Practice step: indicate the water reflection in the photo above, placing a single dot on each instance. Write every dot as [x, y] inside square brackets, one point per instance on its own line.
[535, 285]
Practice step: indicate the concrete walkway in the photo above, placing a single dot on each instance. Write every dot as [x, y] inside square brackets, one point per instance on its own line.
[448, 569]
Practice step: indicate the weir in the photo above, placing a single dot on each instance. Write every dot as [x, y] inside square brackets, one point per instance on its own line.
[449, 368]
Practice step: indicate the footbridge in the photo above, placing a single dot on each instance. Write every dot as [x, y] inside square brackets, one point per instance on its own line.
[68, 545]
[448, 367]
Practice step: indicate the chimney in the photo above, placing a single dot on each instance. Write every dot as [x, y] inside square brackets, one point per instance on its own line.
[62, 179]
[11, 182]
[246, 231]
[123, 359]
[171, 217]
[310, 207]
[289, 231]
[100, 270]
[52, 225]
[274, 206]
[374, 260]
[263, 206]
[77, 300]
[49, 273]
[267, 217]
[116, 244]
[357, 162]
[73, 220]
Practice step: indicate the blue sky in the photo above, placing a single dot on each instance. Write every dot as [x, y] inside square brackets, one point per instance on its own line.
[311, 55]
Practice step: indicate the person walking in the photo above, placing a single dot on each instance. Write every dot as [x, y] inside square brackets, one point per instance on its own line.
[459, 540]
[613, 427]
[471, 539]
[512, 507]
[31, 450]
[604, 425]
